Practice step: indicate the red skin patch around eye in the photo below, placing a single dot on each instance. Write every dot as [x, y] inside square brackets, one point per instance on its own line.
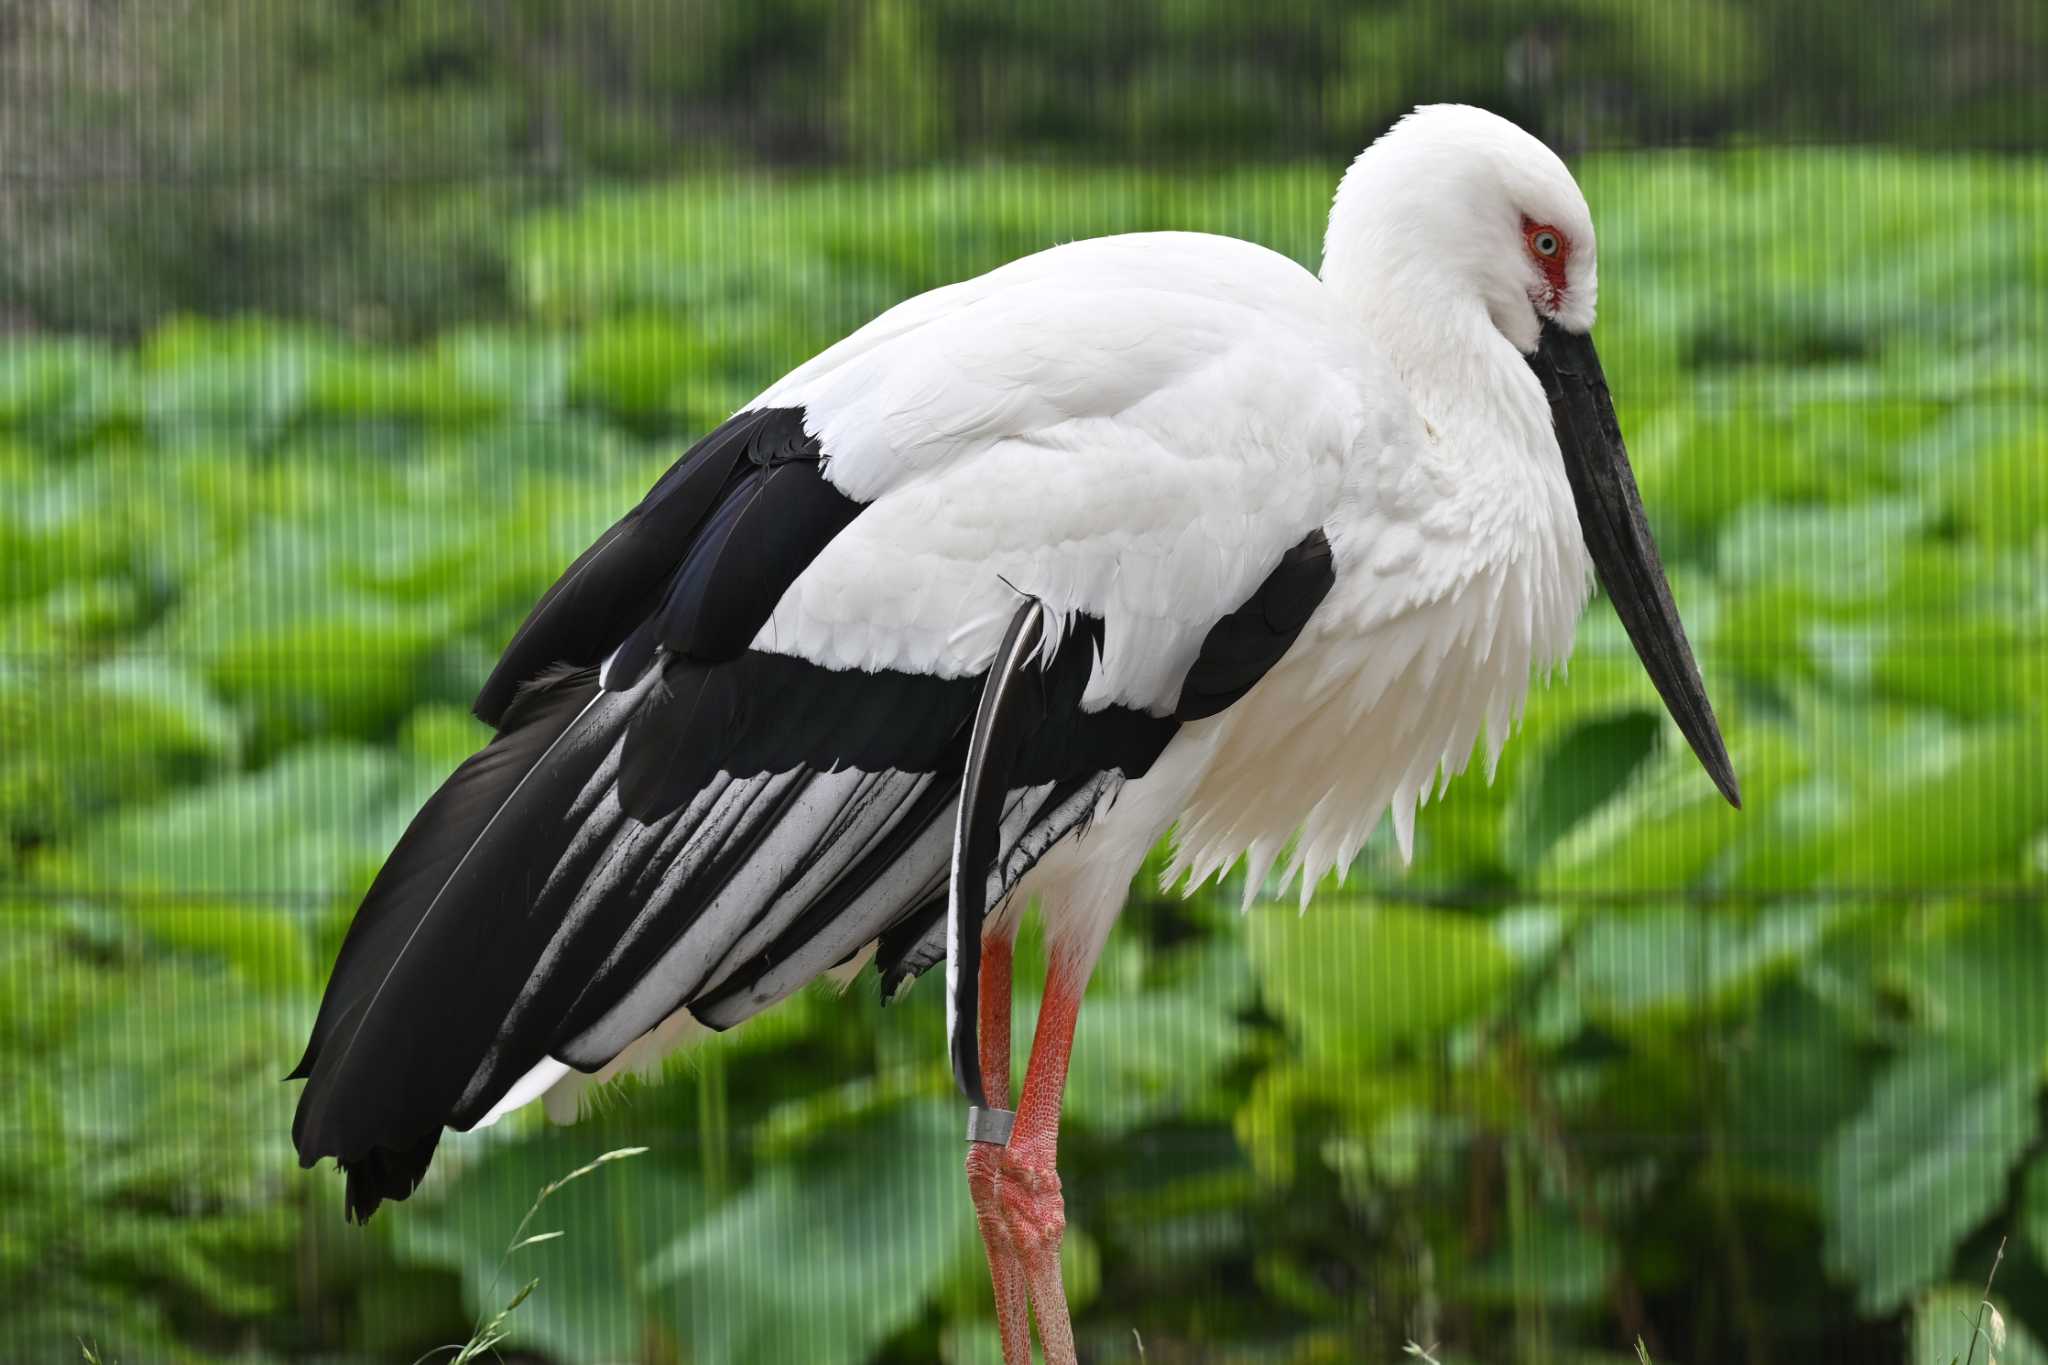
[1551, 266]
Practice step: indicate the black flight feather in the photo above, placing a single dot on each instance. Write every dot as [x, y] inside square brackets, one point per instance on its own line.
[739, 565]
[1243, 646]
[616, 585]
[1000, 722]
[397, 1034]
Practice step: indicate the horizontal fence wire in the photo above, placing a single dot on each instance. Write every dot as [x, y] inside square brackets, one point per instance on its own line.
[1897, 644]
[1356, 895]
[1735, 392]
[455, 174]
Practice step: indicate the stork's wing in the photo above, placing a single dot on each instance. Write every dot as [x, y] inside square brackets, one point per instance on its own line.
[731, 737]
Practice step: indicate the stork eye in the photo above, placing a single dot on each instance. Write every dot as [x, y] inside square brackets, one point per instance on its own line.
[1545, 241]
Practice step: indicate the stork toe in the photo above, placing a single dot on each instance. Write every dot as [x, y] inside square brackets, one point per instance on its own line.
[1031, 1205]
[1005, 1263]
[1033, 1215]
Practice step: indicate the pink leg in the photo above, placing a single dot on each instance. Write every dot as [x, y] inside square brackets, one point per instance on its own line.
[1027, 1187]
[984, 1162]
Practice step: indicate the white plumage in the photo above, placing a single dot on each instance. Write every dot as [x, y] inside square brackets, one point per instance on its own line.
[1132, 426]
[1360, 508]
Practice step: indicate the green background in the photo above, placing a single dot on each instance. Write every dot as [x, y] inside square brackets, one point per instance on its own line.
[330, 332]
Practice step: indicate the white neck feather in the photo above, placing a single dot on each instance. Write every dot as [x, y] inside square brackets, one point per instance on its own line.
[1406, 667]
[1454, 334]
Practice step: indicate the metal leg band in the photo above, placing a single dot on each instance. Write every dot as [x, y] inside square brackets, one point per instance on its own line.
[990, 1125]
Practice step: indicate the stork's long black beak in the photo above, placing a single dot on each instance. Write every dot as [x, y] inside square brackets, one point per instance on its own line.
[1618, 537]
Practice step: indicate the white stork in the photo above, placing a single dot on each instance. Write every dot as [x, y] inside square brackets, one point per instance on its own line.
[1147, 533]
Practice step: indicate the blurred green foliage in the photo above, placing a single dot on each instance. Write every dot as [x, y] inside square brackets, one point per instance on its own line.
[1607, 1060]
[352, 160]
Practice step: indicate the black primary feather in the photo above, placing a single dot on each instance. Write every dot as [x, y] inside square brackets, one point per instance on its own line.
[379, 1079]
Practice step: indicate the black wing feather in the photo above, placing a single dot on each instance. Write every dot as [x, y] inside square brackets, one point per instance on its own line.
[738, 567]
[704, 826]
[617, 584]
[446, 899]
[1241, 647]
[1002, 721]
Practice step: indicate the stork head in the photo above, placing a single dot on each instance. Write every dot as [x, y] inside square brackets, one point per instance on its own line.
[1457, 222]
[1453, 200]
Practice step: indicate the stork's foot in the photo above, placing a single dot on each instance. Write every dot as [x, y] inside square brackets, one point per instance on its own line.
[1022, 1215]
[1005, 1265]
